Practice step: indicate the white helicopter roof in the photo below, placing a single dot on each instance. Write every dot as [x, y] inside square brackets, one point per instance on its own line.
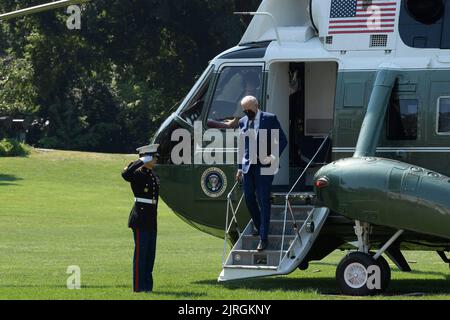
[349, 31]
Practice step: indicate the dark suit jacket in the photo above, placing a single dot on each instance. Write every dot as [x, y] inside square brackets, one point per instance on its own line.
[268, 122]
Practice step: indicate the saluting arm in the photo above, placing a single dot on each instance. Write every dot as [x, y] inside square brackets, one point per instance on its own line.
[129, 172]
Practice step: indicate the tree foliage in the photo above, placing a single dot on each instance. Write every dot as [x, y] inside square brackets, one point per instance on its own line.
[18, 95]
[108, 86]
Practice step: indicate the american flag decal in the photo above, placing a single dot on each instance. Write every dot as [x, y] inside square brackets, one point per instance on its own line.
[362, 16]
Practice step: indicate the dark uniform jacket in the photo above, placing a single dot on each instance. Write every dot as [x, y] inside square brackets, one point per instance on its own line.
[145, 184]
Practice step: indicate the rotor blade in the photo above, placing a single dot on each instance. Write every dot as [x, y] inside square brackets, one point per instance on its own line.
[40, 8]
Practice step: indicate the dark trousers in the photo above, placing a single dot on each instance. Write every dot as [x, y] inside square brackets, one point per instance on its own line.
[257, 197]
[144, 259]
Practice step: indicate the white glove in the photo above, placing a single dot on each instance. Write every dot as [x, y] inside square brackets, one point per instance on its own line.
[146, 159]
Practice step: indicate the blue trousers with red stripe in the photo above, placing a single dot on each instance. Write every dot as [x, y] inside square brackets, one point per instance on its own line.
[144, 259]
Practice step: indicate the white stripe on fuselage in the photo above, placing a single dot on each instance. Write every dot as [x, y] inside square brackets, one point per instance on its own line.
[406, 149]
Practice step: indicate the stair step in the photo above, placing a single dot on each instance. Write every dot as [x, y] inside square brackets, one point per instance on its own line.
[277, 226]
[296, 198]
[250, 242]
[256, 258]
[251, 267]
[300, 212]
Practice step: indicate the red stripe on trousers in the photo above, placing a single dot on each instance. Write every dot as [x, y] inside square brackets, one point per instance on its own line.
[136, 280]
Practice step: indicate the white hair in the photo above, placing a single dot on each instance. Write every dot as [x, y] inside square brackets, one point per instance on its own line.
[250, 99]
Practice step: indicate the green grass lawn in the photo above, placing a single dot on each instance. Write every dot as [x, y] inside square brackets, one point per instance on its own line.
[59, 209]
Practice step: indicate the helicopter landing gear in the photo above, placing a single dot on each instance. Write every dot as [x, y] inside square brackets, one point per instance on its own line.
[364, 273]
[444, 257]
[362, 231]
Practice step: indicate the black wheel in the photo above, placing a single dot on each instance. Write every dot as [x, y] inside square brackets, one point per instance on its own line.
[357, 274]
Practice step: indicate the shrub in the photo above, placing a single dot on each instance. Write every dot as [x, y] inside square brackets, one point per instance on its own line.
[13, 148]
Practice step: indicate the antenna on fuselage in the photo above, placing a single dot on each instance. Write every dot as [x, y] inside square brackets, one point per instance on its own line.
[40, 8]
[267, 14]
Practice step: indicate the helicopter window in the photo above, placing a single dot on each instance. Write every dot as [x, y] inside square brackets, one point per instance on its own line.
[444, 115]
[194, 108]
[233, 85]
[425, 23]
[402, 119]
[426, 12]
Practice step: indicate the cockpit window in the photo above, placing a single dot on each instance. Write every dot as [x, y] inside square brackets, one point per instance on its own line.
[233, 85]
[193, 109]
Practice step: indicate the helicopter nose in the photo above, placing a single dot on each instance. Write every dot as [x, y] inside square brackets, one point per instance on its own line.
[163, 137]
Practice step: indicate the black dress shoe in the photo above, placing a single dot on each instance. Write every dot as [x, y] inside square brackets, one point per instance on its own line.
[255, 232]
[262, 245]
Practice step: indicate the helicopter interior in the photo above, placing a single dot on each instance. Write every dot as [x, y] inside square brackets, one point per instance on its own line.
[302, 96]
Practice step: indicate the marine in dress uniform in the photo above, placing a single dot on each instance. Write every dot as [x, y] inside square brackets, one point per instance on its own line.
[143, 217]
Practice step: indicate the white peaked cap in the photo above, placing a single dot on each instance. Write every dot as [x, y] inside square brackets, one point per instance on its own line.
[150, 149]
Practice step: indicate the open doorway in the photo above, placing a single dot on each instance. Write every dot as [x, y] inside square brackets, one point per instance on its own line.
[302, 95]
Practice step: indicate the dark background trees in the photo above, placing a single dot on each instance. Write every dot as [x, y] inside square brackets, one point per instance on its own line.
[108, 86]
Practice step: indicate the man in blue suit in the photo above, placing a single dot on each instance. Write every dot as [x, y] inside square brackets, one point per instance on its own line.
[263, 141]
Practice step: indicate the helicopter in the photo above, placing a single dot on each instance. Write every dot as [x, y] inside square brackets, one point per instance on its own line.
[361, 87]
[361, 90]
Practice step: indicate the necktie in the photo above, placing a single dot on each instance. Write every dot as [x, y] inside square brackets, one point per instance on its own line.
[251, 126]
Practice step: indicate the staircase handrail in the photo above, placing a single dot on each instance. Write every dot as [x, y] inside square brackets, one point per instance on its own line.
[309, 164]
[234, 218]
[288, 205]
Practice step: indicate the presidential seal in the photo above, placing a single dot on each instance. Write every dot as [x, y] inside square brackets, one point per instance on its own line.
[214, 182]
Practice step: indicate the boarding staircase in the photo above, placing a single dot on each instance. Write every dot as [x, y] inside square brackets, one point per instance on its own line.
[295, 225]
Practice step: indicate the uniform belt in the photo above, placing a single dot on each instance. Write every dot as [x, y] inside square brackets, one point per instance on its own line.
[143, 200]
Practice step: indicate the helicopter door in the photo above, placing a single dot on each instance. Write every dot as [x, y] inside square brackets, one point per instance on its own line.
[278, 104]
[302, 96]
[319, 94]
